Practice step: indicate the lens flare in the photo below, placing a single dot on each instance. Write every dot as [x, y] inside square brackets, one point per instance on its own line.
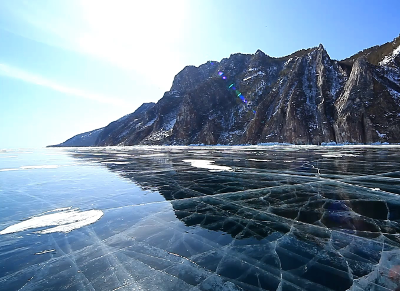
[232, 86]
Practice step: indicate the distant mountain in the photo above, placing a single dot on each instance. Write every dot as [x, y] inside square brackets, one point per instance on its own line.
[92, 138]
[85, 139]
[303, 98]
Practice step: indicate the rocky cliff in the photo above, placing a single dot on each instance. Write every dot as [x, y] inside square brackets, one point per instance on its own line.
[303, 98]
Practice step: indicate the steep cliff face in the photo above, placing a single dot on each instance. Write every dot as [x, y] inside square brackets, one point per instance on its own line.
[303, 98]
[300, 107]
[368, 108]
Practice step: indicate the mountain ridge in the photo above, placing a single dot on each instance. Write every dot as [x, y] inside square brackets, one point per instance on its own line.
[303, 98]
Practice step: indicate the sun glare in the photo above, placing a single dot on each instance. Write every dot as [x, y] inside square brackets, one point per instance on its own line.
[135, 35]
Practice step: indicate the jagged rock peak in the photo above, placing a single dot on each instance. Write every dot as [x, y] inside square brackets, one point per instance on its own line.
[260, 52]
[192, 76]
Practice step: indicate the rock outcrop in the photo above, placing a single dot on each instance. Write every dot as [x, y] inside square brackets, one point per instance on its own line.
[303, 98]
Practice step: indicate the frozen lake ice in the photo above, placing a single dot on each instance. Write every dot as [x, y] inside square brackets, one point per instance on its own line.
[200, 218]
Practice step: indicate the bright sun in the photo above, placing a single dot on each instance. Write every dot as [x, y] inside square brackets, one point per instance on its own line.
[134, 34]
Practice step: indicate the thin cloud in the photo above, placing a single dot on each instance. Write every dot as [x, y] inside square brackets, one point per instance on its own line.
[16, 73]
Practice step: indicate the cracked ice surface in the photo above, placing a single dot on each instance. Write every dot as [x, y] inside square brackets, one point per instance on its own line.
[271, 218]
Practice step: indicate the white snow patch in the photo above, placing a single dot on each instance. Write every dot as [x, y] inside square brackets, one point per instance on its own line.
[393, 74]
[337, 155]
[391, 57]
[269, 144]
[331, 143]
[170, 124]
[45, 252]
[256, 160]
[280, 94]
[150, 122]
[336, 84]
[260, 87]
[39, 167]
[287, 62]
[175, 93]
[63, 221]
[208, 164]
[58, 209]
[254, 75]
[236, 132]
[395, 95]
[159, 135]
[381, 135]
[153, 155]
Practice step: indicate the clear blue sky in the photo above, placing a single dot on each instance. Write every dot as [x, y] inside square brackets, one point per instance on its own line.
[70, 66]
